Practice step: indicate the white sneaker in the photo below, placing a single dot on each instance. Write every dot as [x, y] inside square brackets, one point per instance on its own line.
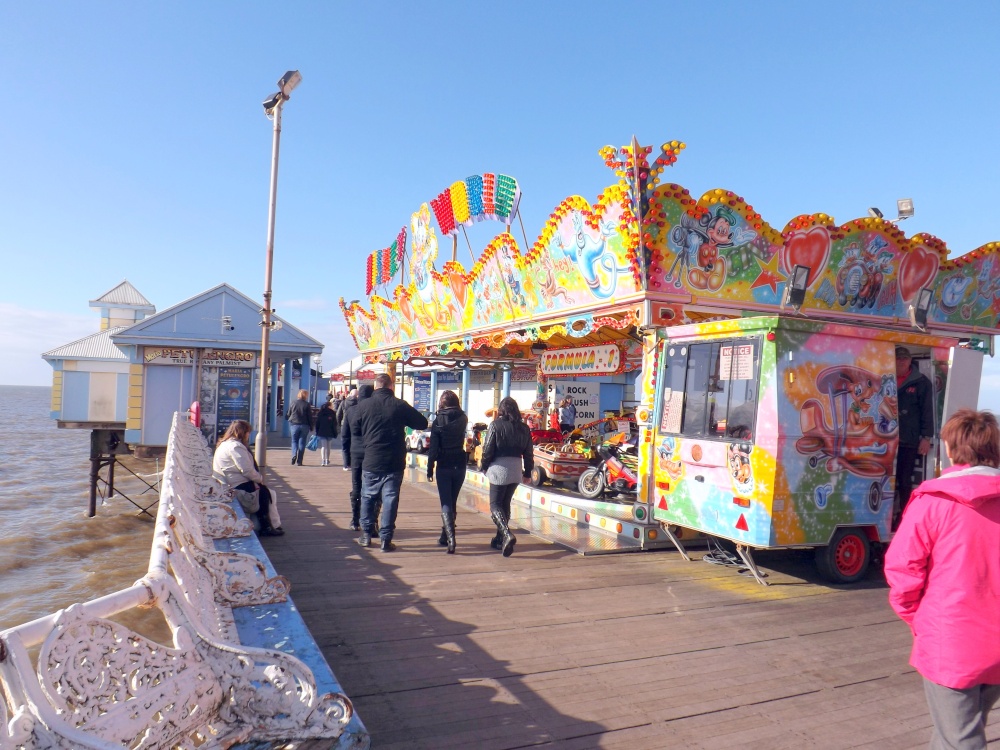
[347, 468]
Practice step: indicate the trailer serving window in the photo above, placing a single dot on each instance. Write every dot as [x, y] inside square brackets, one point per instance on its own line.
[709, 390]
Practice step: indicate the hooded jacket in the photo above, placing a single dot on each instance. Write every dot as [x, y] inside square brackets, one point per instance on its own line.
[383, 419]
[448, 440]
[943, 569]
[350, 434]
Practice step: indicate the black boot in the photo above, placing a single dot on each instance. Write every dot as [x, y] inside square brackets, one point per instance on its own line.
[293, 458]
[507, 539]
[443, 539]
[449, 530]
[298, 457]
[355, 513]
[266, 529]
[497, 541]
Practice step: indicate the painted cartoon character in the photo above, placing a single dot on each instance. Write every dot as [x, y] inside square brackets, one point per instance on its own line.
[698, 242]
[853, 439]
[510, 275]
[593, 256]
[740, 469]
[953, 292]
[666, 461]
[861, 274]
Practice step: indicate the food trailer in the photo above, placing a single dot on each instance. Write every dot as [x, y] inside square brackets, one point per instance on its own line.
[766, 387]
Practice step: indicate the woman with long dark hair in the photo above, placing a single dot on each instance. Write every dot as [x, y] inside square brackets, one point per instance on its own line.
[447, 453]
[235, 466]
[507, 459]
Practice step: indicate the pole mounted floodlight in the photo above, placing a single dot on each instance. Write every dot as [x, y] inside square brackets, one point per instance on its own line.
[904, 207]
[920, 308]
[272, 108]
[795, 290]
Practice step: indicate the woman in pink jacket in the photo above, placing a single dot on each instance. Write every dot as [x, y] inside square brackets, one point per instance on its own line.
[943, 569]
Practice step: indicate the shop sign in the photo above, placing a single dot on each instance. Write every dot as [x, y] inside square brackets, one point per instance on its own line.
[586, 398]
[604, 359]
[336, 377]
[482, 376]
[365, 375]
[524, 375]
[160, 356]
[215, 357]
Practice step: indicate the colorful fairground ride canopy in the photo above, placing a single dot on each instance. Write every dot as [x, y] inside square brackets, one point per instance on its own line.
[646, 254]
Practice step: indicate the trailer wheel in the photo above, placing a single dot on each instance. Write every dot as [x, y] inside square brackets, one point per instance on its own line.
[537, 476]
[875, 497]
[846, 558]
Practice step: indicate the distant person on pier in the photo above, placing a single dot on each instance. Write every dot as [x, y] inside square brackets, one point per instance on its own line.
[567, 415]
[507, 445]
[447, 454]
[234, 466]
[354, 447]
[383, 419]
[327, 429]
[943, 569]
[299, 416]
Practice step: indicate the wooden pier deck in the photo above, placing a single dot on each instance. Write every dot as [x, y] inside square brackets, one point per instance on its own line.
[552, 649]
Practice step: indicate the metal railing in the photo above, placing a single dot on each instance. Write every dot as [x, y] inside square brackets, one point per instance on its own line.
[77, 679]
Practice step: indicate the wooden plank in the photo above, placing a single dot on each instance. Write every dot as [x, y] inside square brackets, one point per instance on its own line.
[549, 648]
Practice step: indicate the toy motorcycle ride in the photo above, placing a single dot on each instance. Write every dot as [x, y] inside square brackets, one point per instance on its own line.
[617, 471]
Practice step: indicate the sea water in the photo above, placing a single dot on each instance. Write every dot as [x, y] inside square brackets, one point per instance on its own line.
[51, 554]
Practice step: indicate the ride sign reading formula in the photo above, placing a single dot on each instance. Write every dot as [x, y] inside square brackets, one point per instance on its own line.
[586, 398]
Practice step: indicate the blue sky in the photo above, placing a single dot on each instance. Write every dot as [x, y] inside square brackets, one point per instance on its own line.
[136, 145]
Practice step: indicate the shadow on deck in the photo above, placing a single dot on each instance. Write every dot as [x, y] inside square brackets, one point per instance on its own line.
[552, 649]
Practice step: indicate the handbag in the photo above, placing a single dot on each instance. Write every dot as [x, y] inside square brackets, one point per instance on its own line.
[313, 443]
[249, 500]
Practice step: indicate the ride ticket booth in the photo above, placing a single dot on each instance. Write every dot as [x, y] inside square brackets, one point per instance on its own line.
[764, 394]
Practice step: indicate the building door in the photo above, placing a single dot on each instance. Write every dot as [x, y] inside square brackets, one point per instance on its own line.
[166, 389]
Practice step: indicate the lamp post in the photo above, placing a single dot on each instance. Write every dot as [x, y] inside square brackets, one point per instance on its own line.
[272, 108]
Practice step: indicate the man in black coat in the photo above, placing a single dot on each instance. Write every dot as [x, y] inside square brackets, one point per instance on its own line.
[354, 446]
[351, 400]
[914, 395]
[383, 419]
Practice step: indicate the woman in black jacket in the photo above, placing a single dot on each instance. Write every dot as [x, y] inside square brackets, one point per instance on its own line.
[326, 430]
[507, 445]
[447, 452]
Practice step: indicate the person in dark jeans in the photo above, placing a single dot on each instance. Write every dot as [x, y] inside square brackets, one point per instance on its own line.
[299, 416]
[383, 419]
[914, 395]
[506, 447]
[354, 446]
[447, 453]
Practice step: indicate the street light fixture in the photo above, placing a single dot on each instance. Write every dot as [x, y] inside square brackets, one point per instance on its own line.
[272, 108]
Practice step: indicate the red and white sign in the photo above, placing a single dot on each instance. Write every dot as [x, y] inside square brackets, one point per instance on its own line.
[604, 359]
[365, 375]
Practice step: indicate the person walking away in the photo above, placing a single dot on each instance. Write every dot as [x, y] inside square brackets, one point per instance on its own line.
[383, 419]
[299, 416]
[447, 454]
[234, 466]
[916, 421]
[943, 570]
[354, 446]
[507, 459]
[567, 415]
[326, 430]
[345, 404]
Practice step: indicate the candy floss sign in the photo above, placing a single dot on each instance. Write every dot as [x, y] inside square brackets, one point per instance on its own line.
[605, 359]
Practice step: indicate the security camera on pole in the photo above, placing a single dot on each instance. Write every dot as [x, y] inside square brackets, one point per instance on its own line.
[272, 108]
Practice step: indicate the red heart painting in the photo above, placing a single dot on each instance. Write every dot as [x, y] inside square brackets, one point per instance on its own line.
[459, 286]
[917, 270]
[811, 249]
